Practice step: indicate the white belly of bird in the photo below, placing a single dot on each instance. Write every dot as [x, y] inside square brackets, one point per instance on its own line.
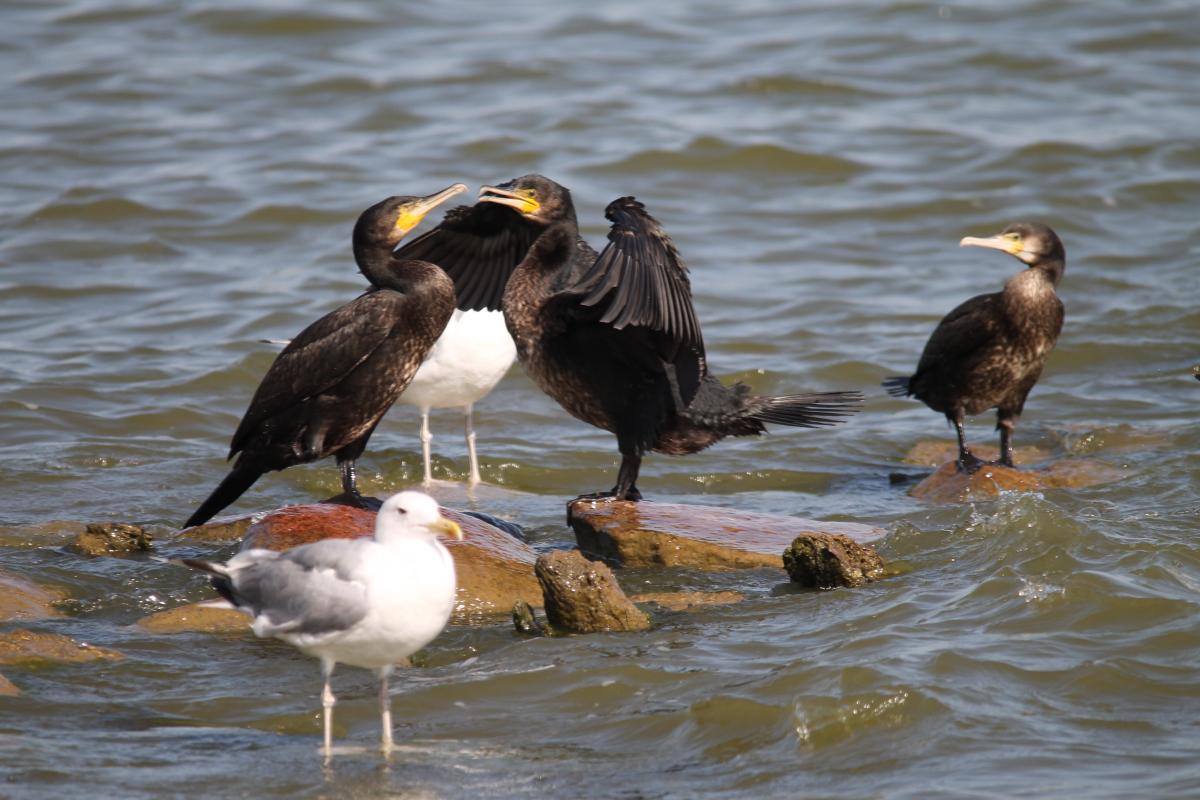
[411, 596]
[468, 360]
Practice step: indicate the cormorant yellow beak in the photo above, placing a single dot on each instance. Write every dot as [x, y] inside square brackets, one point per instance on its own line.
[523, 202]
[446, 527]
[412, 214]
[1010, 243]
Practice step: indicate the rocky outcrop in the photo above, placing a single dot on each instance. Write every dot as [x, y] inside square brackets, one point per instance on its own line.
[494, 570]
[948, 485]
[648, 533]
[112, 538]
[582, 596]
[25, 647]
[827, 561]
[22, 600]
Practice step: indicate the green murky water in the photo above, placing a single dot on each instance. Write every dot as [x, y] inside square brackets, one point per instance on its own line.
[180, 180]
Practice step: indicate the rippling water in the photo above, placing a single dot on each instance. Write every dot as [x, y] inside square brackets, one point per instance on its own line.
[180, 181]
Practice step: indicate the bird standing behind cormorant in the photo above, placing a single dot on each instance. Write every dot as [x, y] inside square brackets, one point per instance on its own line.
[475, 351]
[614, 337]
[989, 351]
[328, 389]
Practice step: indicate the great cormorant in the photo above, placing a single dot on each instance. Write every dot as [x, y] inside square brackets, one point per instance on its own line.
[328, 389]
[989, 352]
[614, 337]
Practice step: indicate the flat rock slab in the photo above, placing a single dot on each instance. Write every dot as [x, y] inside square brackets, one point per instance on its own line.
[24, 647]
[196, 618]
[647, 533]
[582, 596]
[827, 561]
[948, 485]
[494, 570]
[22, 600]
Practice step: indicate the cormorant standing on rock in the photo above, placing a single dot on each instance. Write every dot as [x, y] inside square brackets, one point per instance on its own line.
[989, 352]
[328, 389]
[614, 337]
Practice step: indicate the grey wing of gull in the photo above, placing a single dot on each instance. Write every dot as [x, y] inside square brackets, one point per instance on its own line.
[309, 590]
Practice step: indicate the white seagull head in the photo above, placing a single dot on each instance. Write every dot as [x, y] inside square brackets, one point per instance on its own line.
[412, 515]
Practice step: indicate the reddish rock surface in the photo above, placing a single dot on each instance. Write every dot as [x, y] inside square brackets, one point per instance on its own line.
[647, 533]
[23, 646]
[494, 569]
[22, 600]
[582, 596]
[948, 485]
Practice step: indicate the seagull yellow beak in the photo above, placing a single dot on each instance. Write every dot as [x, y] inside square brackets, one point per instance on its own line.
[1010, 243]
[447, 527]
[521, 201]
[412, 214]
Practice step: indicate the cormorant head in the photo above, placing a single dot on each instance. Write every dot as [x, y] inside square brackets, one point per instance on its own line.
[1031, 242]
[534, 197]
[388, 221]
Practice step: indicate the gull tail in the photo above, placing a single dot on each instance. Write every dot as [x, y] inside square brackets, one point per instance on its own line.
[220, 577]
[239, 479]
[898, 386]
[816, 410]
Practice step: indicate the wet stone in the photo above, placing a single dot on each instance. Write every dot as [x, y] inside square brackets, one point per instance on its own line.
[948, 485]
[493, 569]
[648, 533]
[111, 538]
[24, 646]
[688, 601]
[23, 600]
[221, 529]
[196, 618]
[935, 452]
[827, 561]
[582, 596]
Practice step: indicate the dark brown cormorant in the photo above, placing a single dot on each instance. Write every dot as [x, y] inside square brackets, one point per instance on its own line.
[989, 352]
[328, 389]
[614, 337]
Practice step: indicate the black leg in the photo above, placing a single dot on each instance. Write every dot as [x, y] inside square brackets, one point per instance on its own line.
[1006, 424]
[626, 488]
[967, 461]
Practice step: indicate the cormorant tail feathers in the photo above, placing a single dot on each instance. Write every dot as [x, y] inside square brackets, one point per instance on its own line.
[817, 410]
[898, 386]
[239, 479]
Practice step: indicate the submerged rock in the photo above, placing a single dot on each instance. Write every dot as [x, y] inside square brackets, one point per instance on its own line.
[948, 485]
[827, 561]
[582, 596]
[647, 533]
[22, 600]
[8, 688]
[935, 452]
[110, 538]
[196, 618]
[493, 569]
[688, 601]
[221, 529]
[24, 646]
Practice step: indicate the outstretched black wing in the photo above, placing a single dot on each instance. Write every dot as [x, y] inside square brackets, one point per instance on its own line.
[639, 278]
[478, 246]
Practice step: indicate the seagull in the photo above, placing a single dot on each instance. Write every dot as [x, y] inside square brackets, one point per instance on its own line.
[365, 602]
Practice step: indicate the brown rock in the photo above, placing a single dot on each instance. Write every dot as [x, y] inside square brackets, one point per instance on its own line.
[687, 601]
[197, 618]
[826, 561]
[22, 600]
[948, 485]
[494, 570]
[647, 533]
[8, 688]
[222, 529]
[931, 453]
[582, 596]
[23, 646]
[110, 538]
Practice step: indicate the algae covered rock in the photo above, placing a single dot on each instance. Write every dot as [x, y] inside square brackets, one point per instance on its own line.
[827, 561]
[24, 646]
[110, 538]
[648, 533]
[582, 596]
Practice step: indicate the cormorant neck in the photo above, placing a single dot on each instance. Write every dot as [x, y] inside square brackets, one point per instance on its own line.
[555, 246]
[375, 261]
[1053, 268]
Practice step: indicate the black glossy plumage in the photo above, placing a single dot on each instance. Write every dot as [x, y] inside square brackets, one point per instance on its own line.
[327, 390]
[990, 350]
[613, 337]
